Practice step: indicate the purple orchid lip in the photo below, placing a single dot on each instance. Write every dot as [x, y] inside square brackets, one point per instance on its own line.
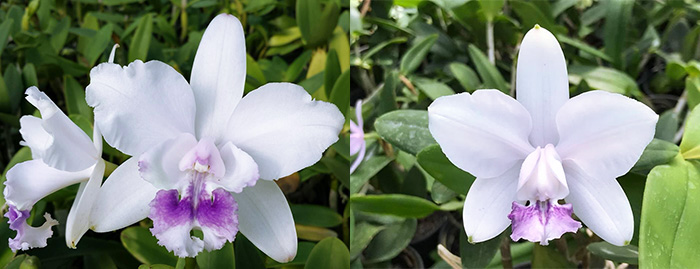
[542, 221]
[28, 236]
[174, 217]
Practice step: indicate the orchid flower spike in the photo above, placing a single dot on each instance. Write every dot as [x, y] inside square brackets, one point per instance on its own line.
[62, 155]
[529, 155]
[198, 148]
[357, 138]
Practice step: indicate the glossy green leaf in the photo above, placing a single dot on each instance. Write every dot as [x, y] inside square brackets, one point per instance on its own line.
[367, 170]
[667, 126]
[220, 258]
[390, 241]
[5, 27]
[141, 41]
[297, 66]
[668, 230]
[416, 54]
[405, 129]
[340, 93]
[656, 153]
[692, 88]
[491, 8]
[315, 215]
[433, 89]
[303, 251]
[466, 76]
[401, 205]
[690, 145]
[247, 255]
[617, 18]
[477, 255]
[14, 86]
[309, 13]
[331, 72]
[75, 98]
[29, 75]
[584, 47]
[144, 246]
[603, 78]
[627, 254]
[489, 74]
[98, 44]
[434, 161]
[361, 236]
[329, 253]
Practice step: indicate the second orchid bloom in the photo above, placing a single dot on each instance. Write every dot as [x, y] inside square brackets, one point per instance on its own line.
[531, 153]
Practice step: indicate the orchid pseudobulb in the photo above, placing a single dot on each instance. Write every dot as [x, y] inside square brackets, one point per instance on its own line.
[198, 149]
[530, 154]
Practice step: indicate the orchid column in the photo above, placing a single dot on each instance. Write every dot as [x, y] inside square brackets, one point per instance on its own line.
[529, 155]
[203, 158]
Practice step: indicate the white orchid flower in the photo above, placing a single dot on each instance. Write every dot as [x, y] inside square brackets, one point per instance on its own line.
[542, 148]
[357, 137]
[62, 155]
[199, 148]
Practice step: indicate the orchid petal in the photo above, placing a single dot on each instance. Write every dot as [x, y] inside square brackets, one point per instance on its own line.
[76, 226]
[484, 133]
[123, 199]
[604, 133]
[283, 116]
[55, 136]
[218, 75]
[241, 170]
[488, 203]
[30, 181]
[542, 221]
[218, 219]
[173, 219]
[360, 157]
[542, 83]
[160, 164]
[266, 220]
[601, 204]
[28, 236]
[140, 105]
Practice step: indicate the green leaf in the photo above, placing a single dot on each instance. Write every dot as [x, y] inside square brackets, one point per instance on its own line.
[361, 236]
[667, 126]
[331, 72]
[75, 98]
[491, 8]
[465, 75]
[14, 86]
[617, 20]
[220, 258]
[329, 253]
[309, 15]
[315, 215]
[488, 72]
[340, 93]
[144, 247]
[297, 66]
[98, 44]
[434, 161]
[605, 250]
[670, 216]
[247, 255]
[401, 205]
[415, 55]
[549, 257]
[584, 47]
[29, 75]
[690, 145]
[405, 129]
[285, 37]
[378, 47]
[389, 242]
[604, 78]
[141, 41]
[477, 255]
[692, 88]
[530, 14]
[367, 170]
[432, 88]
[5, 27]
[656, 153]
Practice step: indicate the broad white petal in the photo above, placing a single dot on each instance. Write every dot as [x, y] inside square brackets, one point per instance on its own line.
[604, 133]
[76, 226]
[218, 75]
[283, 129]
[160, 164]
[484, 133]
[542, 84]
[601, 204]
[488, 203]
[123, 199]
[241, 170]
[29, 181]
[265, 219]
[55, 138]
[140, 105]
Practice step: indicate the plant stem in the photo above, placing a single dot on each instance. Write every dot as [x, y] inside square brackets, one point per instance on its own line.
[506, 258]
[489, 41]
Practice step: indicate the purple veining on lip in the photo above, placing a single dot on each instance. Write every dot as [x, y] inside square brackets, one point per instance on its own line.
[541, 221]
[27, 236]
[215, 214]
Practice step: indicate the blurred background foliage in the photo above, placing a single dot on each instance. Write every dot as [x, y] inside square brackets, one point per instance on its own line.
[406, 197]
[53, 44]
